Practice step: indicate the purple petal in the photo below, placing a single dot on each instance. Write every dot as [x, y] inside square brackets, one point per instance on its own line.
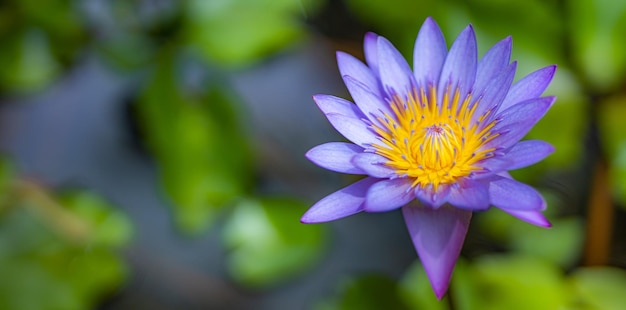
[368, 101]
[395, 74]
[429, 54]
[373, 165]
[387, 195]
[509, 194]
[459, 69]
[334, 105]
[371, 51]
[529, 87]
[336, 156]
[495, 92]
[350, 66]
[353, 129]
[438, 236]
[493, 62]
[526, 153]
[344, 202]
[469, 194]
[516, 121]
[532, 217]
[434, 199]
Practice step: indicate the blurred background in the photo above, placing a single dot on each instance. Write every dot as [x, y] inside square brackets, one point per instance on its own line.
[152, 158]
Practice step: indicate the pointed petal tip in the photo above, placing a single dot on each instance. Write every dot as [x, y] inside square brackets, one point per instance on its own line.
[532, 217]
[371, 35]
[318, 97]
[307, 155]
[441, 291]
[430, 22]
[467, 33]
[306, 219]
[550, 71]
[340, 54]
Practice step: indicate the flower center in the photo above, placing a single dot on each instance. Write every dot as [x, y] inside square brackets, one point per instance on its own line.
[434, 143]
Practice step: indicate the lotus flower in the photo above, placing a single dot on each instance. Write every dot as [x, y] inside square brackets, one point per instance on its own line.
[437, 141]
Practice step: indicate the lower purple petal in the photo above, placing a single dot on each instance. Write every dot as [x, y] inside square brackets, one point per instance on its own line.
[433, 198]
[509, 194]
[469, 194]
[344, 202]
[387, 195]
[438, 236]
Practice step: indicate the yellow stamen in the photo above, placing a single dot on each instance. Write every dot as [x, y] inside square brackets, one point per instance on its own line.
[433, 144]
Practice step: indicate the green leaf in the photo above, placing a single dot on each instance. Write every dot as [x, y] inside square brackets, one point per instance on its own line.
[599, 288]
[197, 141]
[561, 244]
[108, 227]
[268, 244]
[238, 32]
[27, 61]
[35, 260]
[512, 282]
[598, 47]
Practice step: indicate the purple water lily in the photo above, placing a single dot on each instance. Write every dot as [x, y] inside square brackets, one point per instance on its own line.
[436, 141]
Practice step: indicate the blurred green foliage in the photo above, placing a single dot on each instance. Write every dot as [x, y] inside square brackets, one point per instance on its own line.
[37, 38]
[266, 246]
[197, 140]
[490, 282]
[236, 33]
[63, 250]
[368, 291]
[597, 34]
[561, 244]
